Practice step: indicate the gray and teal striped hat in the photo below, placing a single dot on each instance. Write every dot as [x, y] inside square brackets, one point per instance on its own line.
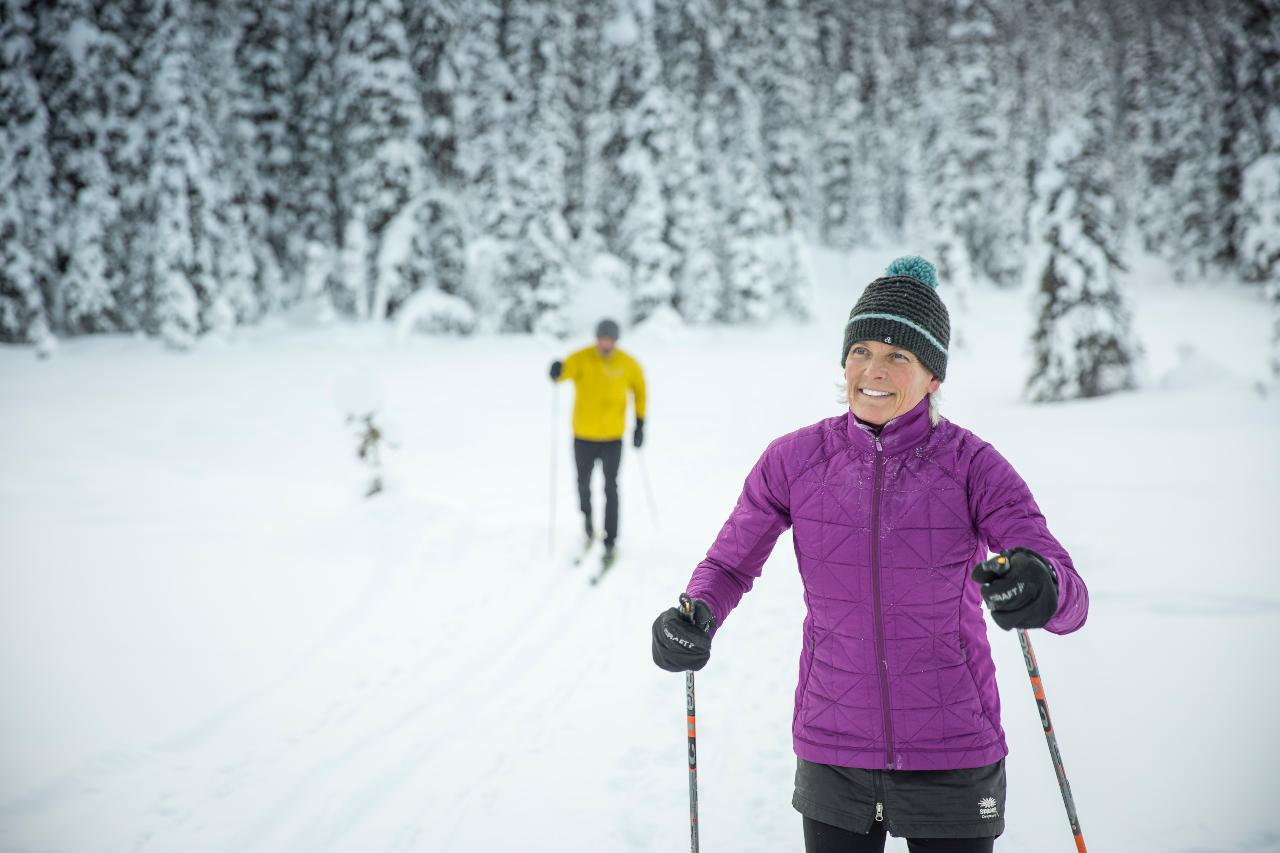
[903, 308]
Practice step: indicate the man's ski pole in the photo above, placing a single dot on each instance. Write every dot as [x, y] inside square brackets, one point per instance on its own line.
[648, 489]
[555, 424]
[1037, 687]
[692, 718]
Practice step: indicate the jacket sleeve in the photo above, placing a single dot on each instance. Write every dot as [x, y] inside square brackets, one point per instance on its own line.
[1006, 516]
[746, 539]
[637, 387]
[570, 367]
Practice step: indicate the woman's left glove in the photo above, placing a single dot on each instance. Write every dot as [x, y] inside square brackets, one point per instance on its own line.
[682, 637]
[1019, 587]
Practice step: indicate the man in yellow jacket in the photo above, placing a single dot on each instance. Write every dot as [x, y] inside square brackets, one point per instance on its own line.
[602, 375]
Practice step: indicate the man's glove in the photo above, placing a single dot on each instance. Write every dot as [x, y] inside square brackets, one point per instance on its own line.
[556, 369]
[682, 638]
[1019, 587]
[637, 436]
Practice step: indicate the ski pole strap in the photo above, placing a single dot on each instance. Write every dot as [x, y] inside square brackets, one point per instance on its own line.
[1042, 704]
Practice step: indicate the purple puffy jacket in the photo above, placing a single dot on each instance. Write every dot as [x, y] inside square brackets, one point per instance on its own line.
[895, 671]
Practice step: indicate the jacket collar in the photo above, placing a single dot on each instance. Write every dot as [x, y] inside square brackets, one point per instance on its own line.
[900, 435]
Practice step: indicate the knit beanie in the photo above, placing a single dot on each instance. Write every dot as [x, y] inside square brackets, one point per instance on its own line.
[607, 329]
[903, 308]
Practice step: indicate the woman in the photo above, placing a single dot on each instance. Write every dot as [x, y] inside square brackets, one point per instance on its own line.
[897, 718]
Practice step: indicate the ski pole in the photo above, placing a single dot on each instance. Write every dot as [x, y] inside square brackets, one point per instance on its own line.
[692, 718]
[1042, 704]
[1037, 687]
[648, 489]
[555, 423]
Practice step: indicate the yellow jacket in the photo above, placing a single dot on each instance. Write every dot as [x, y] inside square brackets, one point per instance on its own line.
[600, 402]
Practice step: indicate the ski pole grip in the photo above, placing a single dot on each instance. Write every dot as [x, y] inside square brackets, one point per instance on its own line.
[992, 568]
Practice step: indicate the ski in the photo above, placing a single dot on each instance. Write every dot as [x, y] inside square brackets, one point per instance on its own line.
[606, 563]
[582, 553]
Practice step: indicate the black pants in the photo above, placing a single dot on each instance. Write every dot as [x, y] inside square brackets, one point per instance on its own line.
[585, 453]
[824, 838]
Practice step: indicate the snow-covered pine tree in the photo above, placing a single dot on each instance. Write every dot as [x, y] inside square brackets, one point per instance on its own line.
[1273, 298]
[314, 172]
[482, 107]
[847, 175]
[1190, 206]
[758, 228]
[955, 270]
[788, 94]
[977, 196]
[379, 128]
[124, 73]
[1258, 227]
[71, 49]
[538, 47]
[842, 222]
[754, 217]
[432, 30]
[1249, 168]
[693, 223]
[1027, 121]
[258, 92]
[26, 177]
[437, 262]
[180, 280]
[1083, 343]
[684, 36]
[637, 158]
[241, 256]
[893, 132]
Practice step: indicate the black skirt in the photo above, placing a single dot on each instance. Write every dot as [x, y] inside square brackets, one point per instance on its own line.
[966, 803]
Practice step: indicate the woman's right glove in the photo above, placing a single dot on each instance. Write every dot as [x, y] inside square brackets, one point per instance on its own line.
[682, 635]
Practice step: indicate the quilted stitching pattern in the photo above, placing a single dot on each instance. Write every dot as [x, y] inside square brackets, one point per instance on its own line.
[946, 497]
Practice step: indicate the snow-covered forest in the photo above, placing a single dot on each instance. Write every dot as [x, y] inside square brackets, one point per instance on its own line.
[183, 167]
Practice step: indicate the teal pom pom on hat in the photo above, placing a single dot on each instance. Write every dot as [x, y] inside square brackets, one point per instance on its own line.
[902, 308]
[916, 267]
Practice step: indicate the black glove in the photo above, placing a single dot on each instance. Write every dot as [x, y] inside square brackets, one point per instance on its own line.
[556, 369]
[682, 639]
[637, 437]
[1019, 587]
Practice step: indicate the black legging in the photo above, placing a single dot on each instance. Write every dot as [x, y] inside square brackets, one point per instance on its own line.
[585, 454]
[824, 838]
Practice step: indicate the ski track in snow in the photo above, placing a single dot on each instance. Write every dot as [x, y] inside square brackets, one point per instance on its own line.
[416, 673]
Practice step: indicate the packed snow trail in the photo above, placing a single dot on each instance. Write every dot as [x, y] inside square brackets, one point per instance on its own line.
[210, 642]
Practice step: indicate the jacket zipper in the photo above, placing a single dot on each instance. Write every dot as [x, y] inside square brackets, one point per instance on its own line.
[883, 663]
[878, 790]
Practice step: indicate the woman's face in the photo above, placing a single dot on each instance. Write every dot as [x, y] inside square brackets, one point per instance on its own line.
[885, 381]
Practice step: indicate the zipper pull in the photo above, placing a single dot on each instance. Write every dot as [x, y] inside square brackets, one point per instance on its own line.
[878, 447]
[880, 812]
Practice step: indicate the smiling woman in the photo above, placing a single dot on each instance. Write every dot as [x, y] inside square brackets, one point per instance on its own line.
[897, 721]
[883, 382]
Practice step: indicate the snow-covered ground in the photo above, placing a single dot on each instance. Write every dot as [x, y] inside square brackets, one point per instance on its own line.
[210, 641]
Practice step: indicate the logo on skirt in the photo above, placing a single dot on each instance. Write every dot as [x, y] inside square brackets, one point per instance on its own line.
[987, 808]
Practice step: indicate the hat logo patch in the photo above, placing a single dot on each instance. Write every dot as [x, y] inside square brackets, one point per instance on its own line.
[888, 339]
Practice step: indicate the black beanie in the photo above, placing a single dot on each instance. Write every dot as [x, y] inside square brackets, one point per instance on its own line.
[903, 308]
[607, 329]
